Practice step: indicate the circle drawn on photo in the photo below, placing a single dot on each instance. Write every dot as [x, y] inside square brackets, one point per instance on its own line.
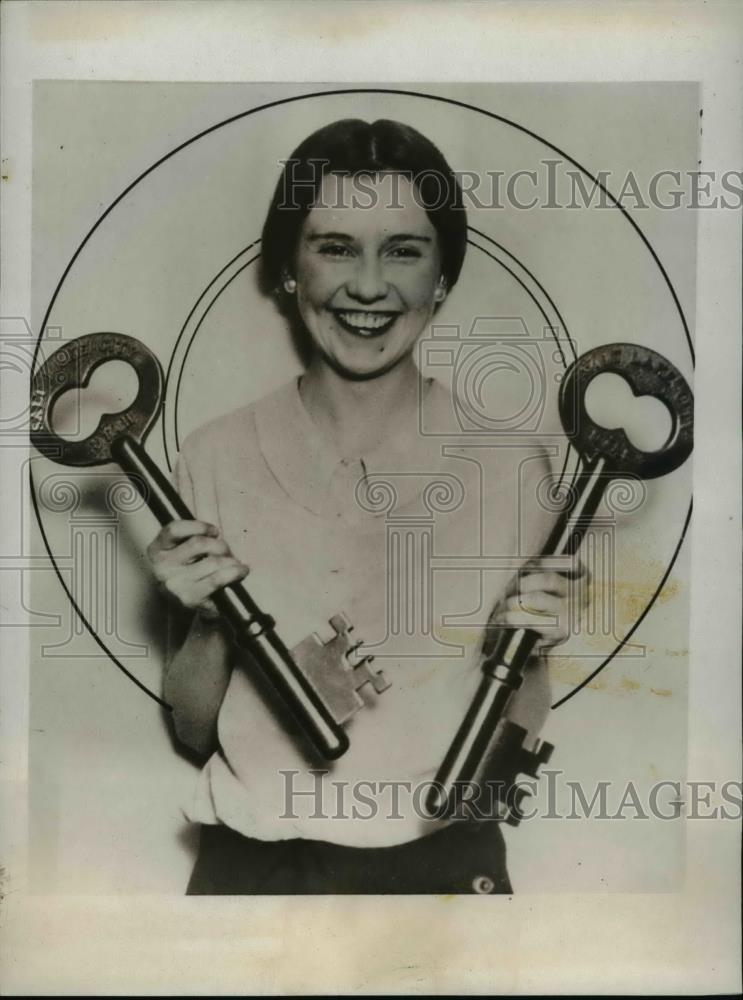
[478, 363]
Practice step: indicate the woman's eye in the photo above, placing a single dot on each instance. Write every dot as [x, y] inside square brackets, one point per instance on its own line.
[335, 250]
[405, 252]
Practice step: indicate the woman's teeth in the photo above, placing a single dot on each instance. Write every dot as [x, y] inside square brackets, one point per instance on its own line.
[365, 323]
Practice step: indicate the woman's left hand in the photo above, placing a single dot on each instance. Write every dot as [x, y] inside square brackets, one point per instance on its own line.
[545, 600]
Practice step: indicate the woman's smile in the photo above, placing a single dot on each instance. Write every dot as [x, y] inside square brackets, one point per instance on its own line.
[365, 324]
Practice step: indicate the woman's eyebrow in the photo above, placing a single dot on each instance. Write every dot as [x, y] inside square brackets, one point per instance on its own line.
[409, 236]
[330, 236]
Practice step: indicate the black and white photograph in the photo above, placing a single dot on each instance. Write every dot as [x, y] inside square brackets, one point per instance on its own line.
[354, 435]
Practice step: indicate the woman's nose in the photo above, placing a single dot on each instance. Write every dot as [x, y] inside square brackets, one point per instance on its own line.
[368, 283]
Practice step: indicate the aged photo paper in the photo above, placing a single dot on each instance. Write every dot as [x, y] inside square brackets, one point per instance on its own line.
[371, 516]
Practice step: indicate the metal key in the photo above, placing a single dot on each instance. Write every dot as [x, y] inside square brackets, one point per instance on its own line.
[488, 749]
[118, 438]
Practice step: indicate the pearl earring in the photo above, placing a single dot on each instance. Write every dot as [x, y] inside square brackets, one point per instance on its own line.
[290, 285]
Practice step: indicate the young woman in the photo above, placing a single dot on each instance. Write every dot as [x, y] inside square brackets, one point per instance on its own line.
[330, 493]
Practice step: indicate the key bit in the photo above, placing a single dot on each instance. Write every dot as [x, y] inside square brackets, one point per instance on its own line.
[337, 669]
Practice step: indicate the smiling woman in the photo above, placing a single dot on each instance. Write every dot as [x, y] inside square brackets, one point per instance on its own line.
[368, 281]
[371, 217]
[364, 239]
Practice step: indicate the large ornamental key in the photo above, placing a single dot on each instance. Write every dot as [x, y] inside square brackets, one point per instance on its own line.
[487, 753]
[320, 683]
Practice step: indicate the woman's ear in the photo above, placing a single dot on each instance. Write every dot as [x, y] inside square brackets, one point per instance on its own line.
[441, 290]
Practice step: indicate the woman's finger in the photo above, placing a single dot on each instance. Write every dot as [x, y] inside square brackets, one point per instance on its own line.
[550, 583]
[195, 593]
[204, 569]
[197, 547]
[220, 577]
[571, 567]
[175, 532]
[537, 603]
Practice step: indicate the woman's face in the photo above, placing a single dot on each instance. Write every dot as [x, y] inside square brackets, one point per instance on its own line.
[368, 278]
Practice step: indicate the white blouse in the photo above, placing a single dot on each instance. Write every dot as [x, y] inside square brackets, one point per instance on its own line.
[415, 543]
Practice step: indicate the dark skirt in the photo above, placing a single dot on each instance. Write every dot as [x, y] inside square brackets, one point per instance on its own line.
[464, 857]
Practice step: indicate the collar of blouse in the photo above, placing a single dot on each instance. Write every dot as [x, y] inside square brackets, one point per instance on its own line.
[314, 474]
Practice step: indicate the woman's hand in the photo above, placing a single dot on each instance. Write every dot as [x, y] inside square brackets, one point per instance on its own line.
[545, 600]
[191, 561]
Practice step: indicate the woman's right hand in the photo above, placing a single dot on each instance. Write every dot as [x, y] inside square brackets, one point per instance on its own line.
[191, 561]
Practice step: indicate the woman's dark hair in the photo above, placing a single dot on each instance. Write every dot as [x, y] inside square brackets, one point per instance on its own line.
[354, 147]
